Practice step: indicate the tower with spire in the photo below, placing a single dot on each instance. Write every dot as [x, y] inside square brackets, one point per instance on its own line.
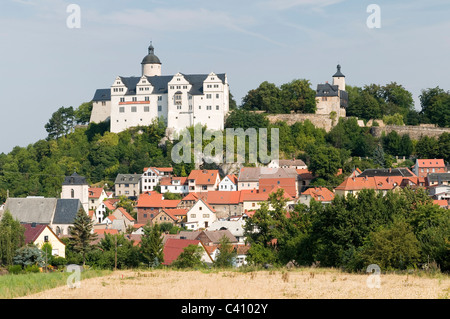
[151, 65]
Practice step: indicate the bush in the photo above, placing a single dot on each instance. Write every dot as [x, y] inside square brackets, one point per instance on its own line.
[15, 269]
[58, 261]
[32, 269]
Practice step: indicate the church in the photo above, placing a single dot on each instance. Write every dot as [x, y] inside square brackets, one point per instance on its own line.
[182, 100]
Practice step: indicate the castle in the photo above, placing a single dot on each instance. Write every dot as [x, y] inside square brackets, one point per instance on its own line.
[332, 98]
[182, 100]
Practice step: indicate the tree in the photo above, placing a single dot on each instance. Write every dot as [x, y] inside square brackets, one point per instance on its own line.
[241, 118]
[29, 256]
[392, 247]
[11, 238]
[435, 103]
[324, 161]
[81, 235]
[265, 98]
[152, 245]
[226, 254]
[61, 123]
[298, 96]
[83, 113]
[190, 258]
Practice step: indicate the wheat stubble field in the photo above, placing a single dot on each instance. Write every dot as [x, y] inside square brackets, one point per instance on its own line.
[295, 284]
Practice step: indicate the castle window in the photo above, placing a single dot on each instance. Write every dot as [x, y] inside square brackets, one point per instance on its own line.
[72, 193]
[217, 96]
[134, 99]
[217, 107]
[208, 96]
[147, 98]
[122, 99]
[159, 108]
[121, 109]
[160, 98]
[324, 98]
[133, 109]
[208, 107]
[103, 103]
[146, 109]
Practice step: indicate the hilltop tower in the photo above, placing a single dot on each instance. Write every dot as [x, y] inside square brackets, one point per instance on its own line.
[151, 65]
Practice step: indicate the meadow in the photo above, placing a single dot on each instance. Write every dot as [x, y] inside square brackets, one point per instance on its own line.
[304, 283]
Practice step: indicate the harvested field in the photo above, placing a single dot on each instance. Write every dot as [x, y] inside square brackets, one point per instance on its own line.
[277, 284]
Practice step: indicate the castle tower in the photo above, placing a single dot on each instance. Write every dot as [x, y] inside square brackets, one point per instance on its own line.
[151, 65]
[339, 79]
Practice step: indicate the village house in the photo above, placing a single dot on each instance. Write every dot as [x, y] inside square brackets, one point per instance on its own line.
[203, 180]
[437, 179]
[40, 234]
[96, 196]
[128, 185]
[294, 163]
[152, 176]
[174, 247]
[320, 194]
[174, 216]
[174, 185]
[225, 203]
[423, 167]
[150, 204]
[201, 215]
[228, 183]
[121, 214]
[252, 199]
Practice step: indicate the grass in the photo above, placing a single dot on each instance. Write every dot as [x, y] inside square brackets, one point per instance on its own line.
[13, 286]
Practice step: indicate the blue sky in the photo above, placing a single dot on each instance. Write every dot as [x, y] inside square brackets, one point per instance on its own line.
[45, 65]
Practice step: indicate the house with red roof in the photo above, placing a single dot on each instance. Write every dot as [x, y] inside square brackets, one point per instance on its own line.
[40, 234]
[228, 183]
[289, 184]
[150, 204]
[425, 166]
[252, 199]
[190, 199]
[225, 203]
[96, 197]
[174, 247]
[174, 216]
[320, 194]
[122, 214]
[203, 180]
[200, 216]
[152, 176]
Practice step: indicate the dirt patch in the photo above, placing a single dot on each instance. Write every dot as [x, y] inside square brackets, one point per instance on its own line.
[296, 284]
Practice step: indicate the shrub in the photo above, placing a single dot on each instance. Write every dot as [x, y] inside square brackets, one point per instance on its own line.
[15, 269]
[32, 268]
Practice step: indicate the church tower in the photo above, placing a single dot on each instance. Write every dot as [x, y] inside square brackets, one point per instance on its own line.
[76, 186]
[151, 66]
[339, 79]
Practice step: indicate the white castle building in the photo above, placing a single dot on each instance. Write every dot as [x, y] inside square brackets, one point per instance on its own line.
[332, 97]
[182, 100]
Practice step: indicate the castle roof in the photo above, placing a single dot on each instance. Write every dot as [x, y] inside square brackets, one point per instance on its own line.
[151, 58]
[338, 73]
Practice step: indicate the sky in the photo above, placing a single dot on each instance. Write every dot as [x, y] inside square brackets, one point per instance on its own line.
[45, 64]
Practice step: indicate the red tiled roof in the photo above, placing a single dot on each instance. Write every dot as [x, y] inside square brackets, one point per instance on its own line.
[431, 162]
[175, 212]
[106, 231]
[32, 233]
[126, 214]
[254, 195]
[174, 247]
[166, 181]
[95, 192]
[304, 174]
[441, 202]
[223, 197]
[204, 177]
[288, 184]
[154, 199]
[195, 196]
[320, 193]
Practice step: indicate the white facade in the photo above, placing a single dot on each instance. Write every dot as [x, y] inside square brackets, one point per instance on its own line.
[181, 100]
[226, 184]
[201, 215]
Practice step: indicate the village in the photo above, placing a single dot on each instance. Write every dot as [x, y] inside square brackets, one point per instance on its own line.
[209, 206]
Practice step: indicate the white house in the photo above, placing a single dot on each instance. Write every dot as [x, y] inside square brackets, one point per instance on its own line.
[201, 215]
[182, 100]
[228, 183]
[96, 196]
[174, 185]
[152, 177]
[76, 186]
[440, 192]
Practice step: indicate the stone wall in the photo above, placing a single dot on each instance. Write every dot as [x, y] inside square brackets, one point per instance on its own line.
[415, 132]
[318, 120]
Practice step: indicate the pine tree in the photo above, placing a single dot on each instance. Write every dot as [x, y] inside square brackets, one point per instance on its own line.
[11, 238]
[152, 245]
[81, 234]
